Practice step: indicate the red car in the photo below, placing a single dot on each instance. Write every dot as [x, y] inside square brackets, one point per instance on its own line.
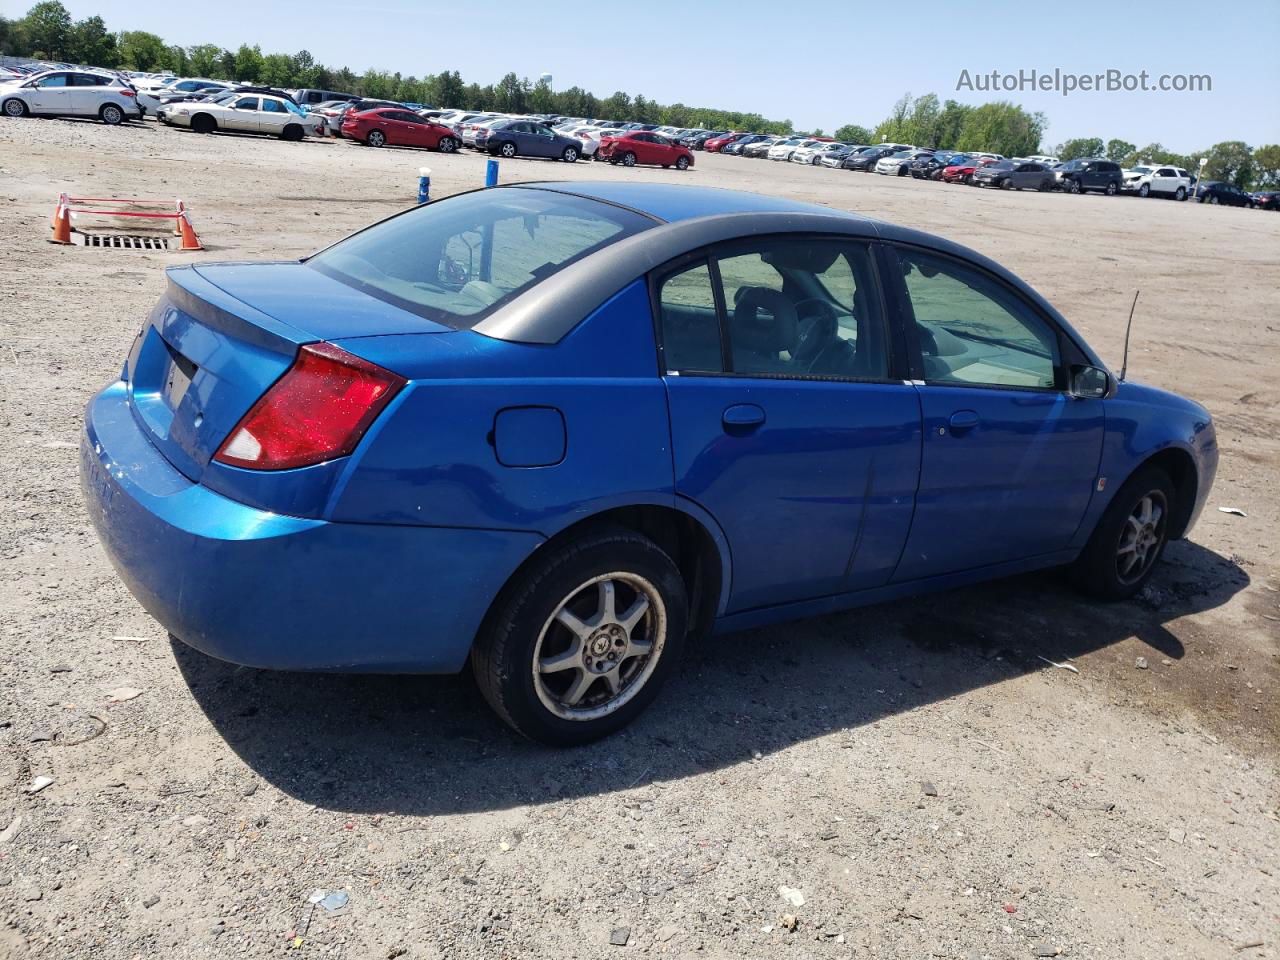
[963, 172]
[640, 146]
[716, 144]
[399, 127]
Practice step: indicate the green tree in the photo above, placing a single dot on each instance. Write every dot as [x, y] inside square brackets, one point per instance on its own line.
[894, 128]
[47, 30]
[304, 69]
[1117, 150]
[1002, 127]
[509, 95]
[1266, 166]
[140, 50]
[205, 60]
[853, 133]
[277, 70]
[1232, 162]
[446, 89]
[248, 62]
[10, 42]
[1080, 147]
[377, 84]
[922, 123]
[950, 122]
[90, 43]
[542, 99]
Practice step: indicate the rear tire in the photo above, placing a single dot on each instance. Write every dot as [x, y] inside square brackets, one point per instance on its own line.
[1180, 194]
[376, 138]
[1129, 539]
[1112, 188]
[507, 149]
[558, 611]
[13, 107]
[292, 132]
[628, 159]
[111, 115]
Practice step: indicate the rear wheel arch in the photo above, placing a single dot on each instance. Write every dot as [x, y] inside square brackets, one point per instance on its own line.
[695, 544]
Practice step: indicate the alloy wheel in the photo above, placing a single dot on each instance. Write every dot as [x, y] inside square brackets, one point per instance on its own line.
[600, 646]
[1141, 537]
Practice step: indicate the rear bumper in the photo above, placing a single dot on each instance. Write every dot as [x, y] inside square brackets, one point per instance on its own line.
[278, 592]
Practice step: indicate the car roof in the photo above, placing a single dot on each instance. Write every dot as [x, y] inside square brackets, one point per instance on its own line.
[673, 202]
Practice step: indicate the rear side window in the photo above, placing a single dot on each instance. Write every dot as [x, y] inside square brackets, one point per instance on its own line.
[457, 261]
[273, 106]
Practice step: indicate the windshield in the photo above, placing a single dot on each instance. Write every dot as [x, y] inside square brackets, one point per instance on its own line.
[1000, 165]
[457, 261]
[1139, 169]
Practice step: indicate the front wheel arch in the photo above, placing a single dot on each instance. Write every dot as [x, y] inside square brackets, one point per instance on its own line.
[1181, 469]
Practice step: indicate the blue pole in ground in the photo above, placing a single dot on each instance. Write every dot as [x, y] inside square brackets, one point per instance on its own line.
[424, 184]
[491, 174]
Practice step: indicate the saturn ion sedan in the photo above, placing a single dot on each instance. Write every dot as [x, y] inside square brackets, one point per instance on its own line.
[557, 432]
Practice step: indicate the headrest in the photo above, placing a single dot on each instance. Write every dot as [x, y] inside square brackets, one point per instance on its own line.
[810, 257]
[764, 321]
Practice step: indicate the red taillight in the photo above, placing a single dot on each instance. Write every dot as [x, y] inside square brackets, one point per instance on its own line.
[317, 411]
[127, 93]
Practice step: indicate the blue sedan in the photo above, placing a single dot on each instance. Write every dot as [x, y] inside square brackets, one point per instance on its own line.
[559, 430]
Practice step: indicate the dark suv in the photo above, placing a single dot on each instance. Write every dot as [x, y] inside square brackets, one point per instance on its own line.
[1086, 173]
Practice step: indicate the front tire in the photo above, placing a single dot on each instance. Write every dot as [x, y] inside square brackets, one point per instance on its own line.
[1129, 539]
[111, 115]
[13, 107]
[1144, 191]
[682, 163]
[570, 155]
[447, 145]
[579, 643]
[203, 123]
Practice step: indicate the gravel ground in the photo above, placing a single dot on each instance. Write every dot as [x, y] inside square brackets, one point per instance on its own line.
[915, 776]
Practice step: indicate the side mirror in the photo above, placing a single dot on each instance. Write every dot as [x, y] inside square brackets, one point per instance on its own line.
[1091, 383]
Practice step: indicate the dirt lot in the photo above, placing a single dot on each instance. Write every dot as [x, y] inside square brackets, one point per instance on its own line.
[930, 785]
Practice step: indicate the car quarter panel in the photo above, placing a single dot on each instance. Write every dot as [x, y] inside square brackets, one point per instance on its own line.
[433, 459]
[359, 597]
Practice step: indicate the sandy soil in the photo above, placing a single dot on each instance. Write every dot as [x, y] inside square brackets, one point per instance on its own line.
[1116, 812]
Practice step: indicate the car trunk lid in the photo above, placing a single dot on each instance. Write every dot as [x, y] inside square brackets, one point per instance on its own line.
[222, 334]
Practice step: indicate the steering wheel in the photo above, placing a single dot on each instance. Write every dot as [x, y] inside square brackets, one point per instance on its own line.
[453, 274]
[819, 328]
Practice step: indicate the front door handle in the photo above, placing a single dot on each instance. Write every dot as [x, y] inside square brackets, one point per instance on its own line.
[743, 416]
[963, 420]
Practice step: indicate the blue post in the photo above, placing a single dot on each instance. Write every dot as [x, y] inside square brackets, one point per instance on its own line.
[424, 184]
[491, 174]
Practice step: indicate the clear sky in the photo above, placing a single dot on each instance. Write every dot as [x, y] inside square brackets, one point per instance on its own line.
[819, 63]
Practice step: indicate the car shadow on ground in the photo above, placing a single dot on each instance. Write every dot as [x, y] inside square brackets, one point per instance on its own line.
[429, 745]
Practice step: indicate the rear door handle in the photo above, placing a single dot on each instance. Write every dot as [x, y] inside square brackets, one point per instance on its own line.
[963, 420]
[743, 416]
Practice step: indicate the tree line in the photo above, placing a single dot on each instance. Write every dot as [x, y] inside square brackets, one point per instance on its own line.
[47, 32]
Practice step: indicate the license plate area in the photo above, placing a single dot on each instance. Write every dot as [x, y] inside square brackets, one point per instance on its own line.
[177, 378]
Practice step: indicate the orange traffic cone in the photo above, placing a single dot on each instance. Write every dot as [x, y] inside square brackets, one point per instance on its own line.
[189, 239]
[177, 223]
[61, 226]
[62, 202]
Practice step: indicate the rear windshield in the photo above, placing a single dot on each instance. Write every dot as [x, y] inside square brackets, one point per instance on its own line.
[458, 260]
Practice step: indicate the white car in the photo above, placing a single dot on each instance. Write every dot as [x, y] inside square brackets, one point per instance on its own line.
[71, 93]
[814, 154]
[783, 149]
[246, 113]
[149, 99]
[1152, 180]
[1040, 158]
[899, 164]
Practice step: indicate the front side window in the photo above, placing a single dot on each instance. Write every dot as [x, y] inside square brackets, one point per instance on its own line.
[247, 103]
[972, 330]
[55, 80]
[457, 261]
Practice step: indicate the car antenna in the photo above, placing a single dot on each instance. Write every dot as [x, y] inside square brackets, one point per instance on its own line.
[1124, 364]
